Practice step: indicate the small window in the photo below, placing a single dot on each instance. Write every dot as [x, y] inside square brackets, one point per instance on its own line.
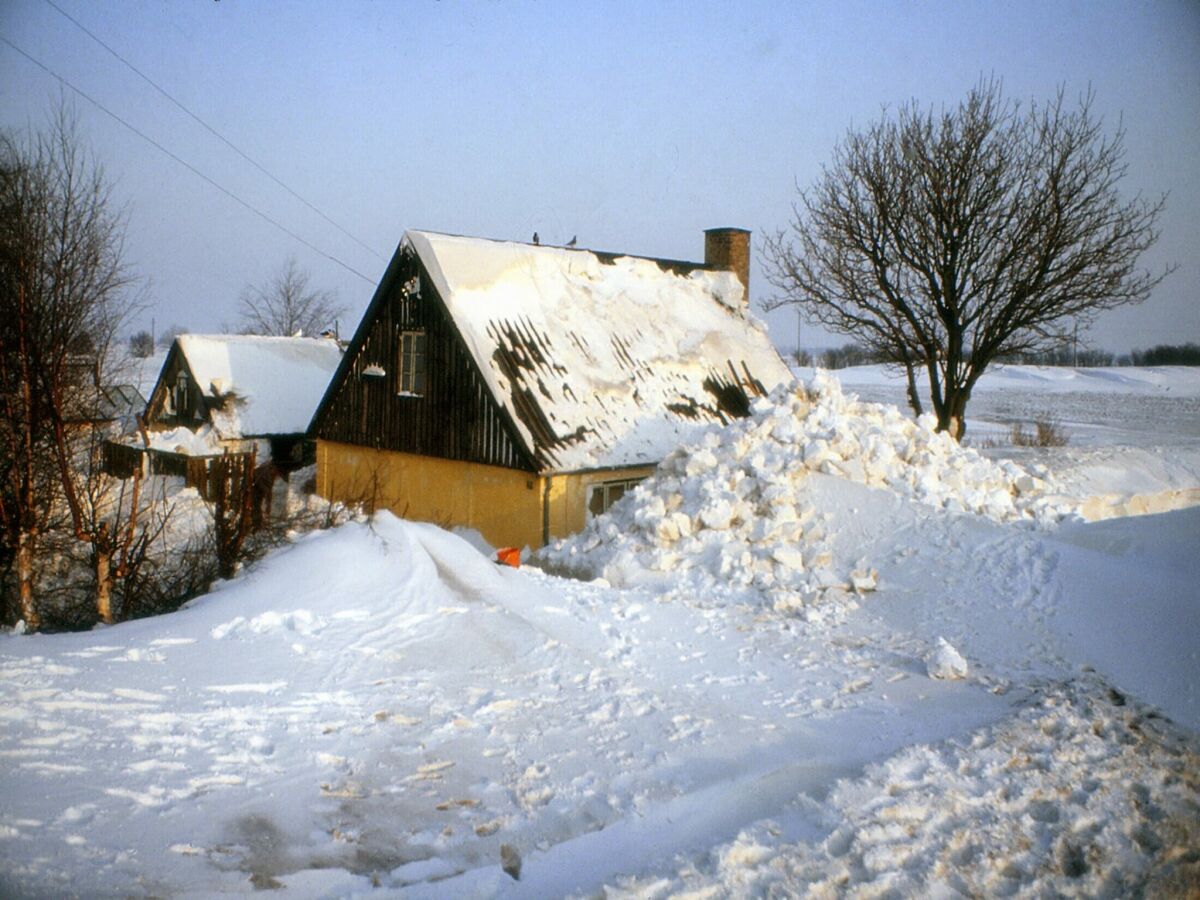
[412, 363]
[603, 495]
[182, 395]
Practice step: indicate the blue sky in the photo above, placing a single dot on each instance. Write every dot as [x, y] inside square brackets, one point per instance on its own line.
[632, 125]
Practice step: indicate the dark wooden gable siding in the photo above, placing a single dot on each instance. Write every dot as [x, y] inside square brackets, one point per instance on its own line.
[156, 414]
[456, 417]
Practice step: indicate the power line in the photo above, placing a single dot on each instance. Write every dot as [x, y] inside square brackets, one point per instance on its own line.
[146, 78]
[224, 190]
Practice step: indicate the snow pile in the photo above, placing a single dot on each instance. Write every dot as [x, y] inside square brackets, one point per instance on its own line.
[201, 442]
[380, 705]
[945, 662]
[727, 514]
[733, 508]
[877, 445]
[1079, 794]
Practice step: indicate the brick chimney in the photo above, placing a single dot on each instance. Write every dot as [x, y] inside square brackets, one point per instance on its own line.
[729, 248]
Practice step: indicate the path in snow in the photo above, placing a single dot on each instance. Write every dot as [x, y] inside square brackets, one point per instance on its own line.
[412, 725]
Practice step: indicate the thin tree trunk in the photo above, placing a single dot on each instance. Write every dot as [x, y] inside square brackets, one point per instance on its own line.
[937, 396]
[914, 399]
[104, 585]
[956, 410]
[29, 611]
[233, 474]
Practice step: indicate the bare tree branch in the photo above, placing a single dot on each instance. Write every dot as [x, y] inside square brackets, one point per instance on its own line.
[286, 305]
[946, 239]
[64, 294]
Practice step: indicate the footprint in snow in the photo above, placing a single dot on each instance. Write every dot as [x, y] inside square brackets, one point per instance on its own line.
[135, 694]
[97, 650]
[137, 655]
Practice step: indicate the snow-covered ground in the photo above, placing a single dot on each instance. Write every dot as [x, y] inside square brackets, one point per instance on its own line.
[1125, 406]
[848, 659]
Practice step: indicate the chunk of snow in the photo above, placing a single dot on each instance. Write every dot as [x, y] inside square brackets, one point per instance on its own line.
[945, 662]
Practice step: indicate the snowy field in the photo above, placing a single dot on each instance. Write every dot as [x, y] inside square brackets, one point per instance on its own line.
[823, 652]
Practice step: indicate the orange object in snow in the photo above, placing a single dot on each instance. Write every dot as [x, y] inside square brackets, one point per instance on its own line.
[509, 556]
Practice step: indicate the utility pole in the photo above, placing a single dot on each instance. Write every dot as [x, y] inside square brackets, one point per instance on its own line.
[798, 317]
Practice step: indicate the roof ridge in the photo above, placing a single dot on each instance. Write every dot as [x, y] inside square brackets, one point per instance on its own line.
[258, 337]
[604, 255]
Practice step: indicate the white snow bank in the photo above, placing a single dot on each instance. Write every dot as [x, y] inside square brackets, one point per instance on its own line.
[1180, 381]
[1121, 481]
[733, 508]
[1124, 601]
[381, 705]
[1079, 794]
[878, 445]
[727, 514]
[201, 442]
[206, 747]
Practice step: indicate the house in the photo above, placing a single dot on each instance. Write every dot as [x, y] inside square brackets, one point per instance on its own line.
[100, 414]
[121, 404]
[518, 389]
[235, 391]
[91, 400]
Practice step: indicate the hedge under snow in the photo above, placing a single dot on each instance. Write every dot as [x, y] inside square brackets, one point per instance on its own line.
[731, 509]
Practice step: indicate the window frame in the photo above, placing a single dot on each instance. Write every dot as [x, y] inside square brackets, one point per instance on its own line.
[181, 395]
[412, 362]
[617, 486]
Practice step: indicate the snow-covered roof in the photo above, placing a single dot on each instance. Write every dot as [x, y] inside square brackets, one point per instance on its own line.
[273, 384]
[601, 360]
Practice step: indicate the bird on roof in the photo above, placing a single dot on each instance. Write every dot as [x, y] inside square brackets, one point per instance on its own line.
[572, 241]
[536, 240]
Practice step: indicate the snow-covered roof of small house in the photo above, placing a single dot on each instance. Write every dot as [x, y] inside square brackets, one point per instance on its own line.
[271, 385]
[601, 360]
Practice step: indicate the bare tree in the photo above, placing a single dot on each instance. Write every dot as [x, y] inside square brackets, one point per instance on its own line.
[104, 511]
[286, 305]
[166, 336]
[944, 240]
[63, 296]
[231, 484]
[141, 344]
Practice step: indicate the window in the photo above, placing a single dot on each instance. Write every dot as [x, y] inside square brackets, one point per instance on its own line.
[603, 495]
[182, 395]
[412, 363]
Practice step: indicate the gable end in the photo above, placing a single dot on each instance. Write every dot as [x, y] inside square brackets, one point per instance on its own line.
[454, 416]
[158, 415]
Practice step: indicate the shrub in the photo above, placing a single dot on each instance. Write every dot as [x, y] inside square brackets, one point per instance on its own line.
[1046, 433]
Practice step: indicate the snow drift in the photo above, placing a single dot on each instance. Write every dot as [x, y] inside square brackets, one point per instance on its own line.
[379, 710]
[733, 507]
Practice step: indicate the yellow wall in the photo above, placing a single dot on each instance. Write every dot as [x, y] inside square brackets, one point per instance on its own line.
[504, 505]
[569, 515]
